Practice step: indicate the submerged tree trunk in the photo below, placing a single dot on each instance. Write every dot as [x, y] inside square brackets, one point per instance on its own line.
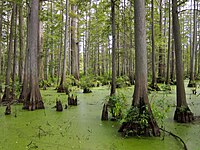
[182, 113]
[140, 103]
[33, 98]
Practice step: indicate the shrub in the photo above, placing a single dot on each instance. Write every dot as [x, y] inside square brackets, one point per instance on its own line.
[122, 81]
[117, 105]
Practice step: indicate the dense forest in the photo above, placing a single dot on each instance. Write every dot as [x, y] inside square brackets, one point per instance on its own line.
[149, 47]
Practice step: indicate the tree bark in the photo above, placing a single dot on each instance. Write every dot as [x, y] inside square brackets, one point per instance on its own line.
[182, 113]
[1, 21]
[7, 92]
[193, 52]
[140, 97]
[113, 83]
[131, 64]
[14, 73]
[161, 63]
[118, 45]
[169, 45]
[154, 80]
[40, 47]
[33, 98]
[51, 65]
[124, 52]
[24, 90]
[74, 50]
[60, 48]
[61, 87]
[172, 73]
[21, 44]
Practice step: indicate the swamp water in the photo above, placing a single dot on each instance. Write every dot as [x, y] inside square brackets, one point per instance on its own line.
[80, 127]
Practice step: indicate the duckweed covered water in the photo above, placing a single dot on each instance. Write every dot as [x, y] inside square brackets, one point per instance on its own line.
[80, 127]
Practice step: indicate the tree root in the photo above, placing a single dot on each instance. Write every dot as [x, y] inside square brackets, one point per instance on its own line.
[183, 115]
[175, 136]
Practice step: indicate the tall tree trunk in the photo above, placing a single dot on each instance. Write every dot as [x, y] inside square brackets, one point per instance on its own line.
[14, 56]
[153, 81]
[52, 45]
[118, 46]
[131, 64]
[1, 21]
[124, 61]
[21, 44]
[7, 92]
[85, 47]
[182, 113]
[24, 90]
[140, 98]
[47, 50]
[113, 84]
[193, 52]
[172, 73]
[40, 52]
[74, 50]
[169, 44]
[61, 47]
[61, 87]
[160, 63]
[33, 98]
[40, 47]
[103, 60]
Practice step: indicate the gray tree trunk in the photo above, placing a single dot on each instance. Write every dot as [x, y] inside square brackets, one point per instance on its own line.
[131, 63]
[14, 73]
[24, 90]
[118, 47]
[74, 50]
[61, 49]
[140, 97]
[61, 87]
[21, 44]
[7, 92]
[169, 45]
[33, 98]
[51, 68]
[1, 18]
[182, 113]
[154, 80]
[113, 83]
[193, 50]
[160, 63]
